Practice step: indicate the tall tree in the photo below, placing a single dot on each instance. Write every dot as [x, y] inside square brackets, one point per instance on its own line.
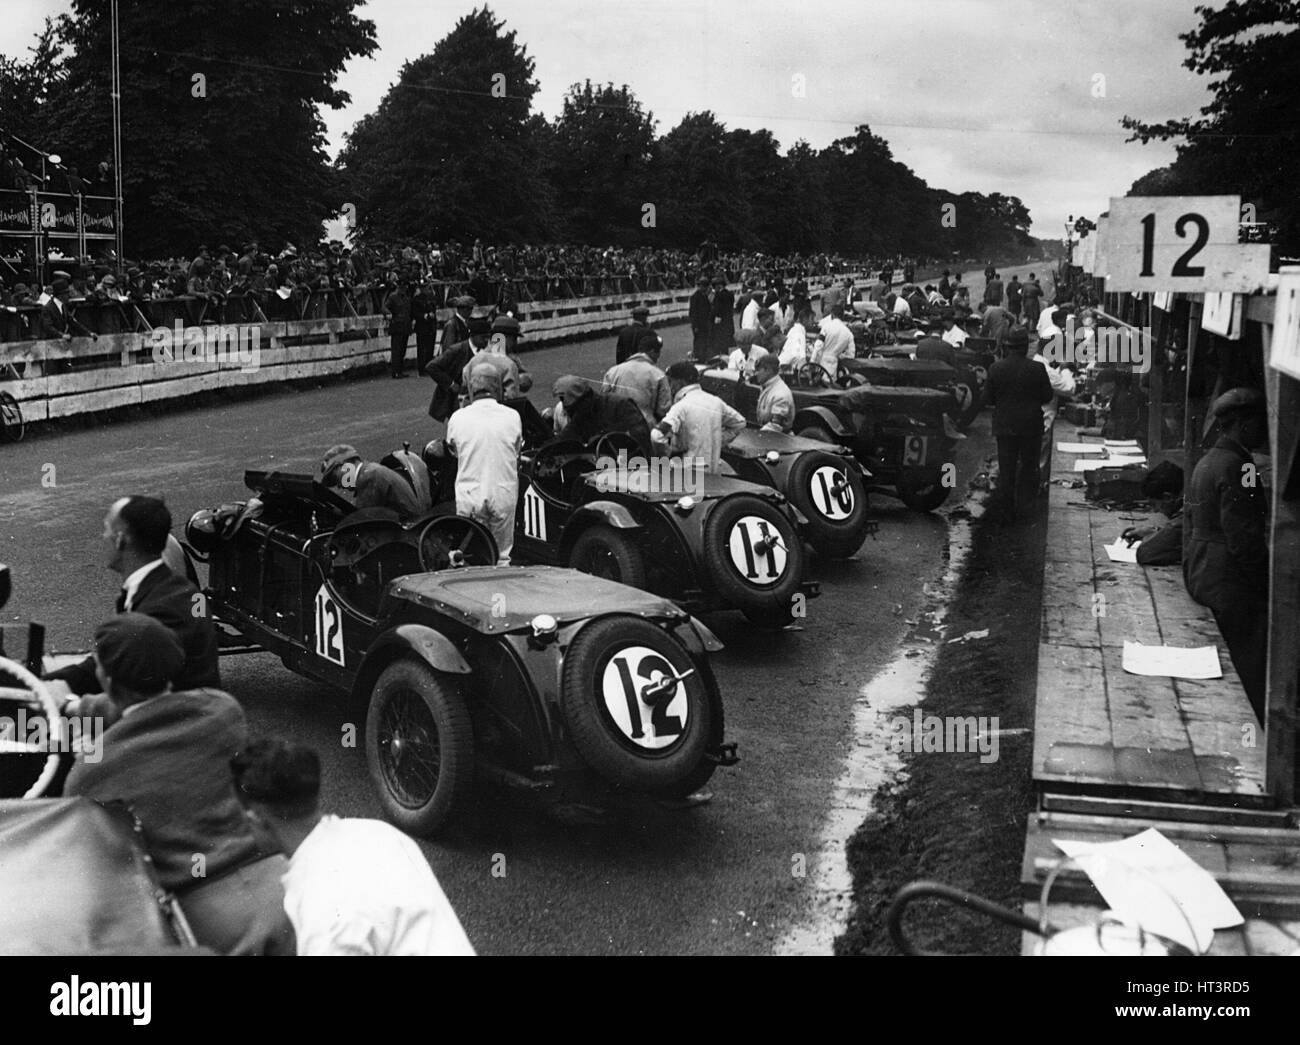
[604, 143]
[222, 136]
[450, 150]
[694, 188]
[25, 87]
[1247, 139]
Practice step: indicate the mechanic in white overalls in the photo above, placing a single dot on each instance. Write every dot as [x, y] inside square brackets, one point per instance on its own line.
[486, 438]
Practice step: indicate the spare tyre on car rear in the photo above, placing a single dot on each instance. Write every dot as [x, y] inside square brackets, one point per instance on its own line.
[829, 492]
[639, 711]
[754, 558]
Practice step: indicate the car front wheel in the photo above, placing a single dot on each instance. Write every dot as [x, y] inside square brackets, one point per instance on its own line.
[419, 746]
[604, 552]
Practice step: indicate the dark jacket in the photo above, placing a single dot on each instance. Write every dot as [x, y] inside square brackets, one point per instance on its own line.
[629, 341]
[454, 331]
[168, 759]
[933, 347]
[602, 412]
[397, 306]
[1226, 564]
[57, 323]
[378, 486]
[424, 313]
[701, 309]
[1017, 389]
[445, 368]
[173, 602]
[723, 306]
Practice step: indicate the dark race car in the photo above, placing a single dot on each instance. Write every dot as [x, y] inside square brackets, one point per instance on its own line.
[522, 674]
[821, 480]
[708, 542]
[900, 436]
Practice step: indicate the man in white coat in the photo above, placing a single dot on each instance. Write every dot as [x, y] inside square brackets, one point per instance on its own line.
[1062, 381]
[486, 438]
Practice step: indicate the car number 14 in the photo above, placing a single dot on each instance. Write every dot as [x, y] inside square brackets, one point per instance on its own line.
[329, 627]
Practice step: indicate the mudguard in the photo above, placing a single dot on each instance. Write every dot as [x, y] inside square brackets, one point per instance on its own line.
[827, 418]
[610, 512]
[430, 646]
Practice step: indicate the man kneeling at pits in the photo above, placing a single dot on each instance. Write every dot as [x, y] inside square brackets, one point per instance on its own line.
[365, 483]
[167, 758]
[354, 886]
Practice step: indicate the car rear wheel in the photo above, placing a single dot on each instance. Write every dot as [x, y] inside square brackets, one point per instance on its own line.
[829, 493]
[630, 724]
[922, 491]
[604, 552]
[754, 559]
[419, 746]
[970, 398]
[12, 427]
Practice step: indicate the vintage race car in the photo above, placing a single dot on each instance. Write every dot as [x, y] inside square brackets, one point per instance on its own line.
[900, 436]
[708, 542]
[522, 674]
[961, 382]
[822, 480]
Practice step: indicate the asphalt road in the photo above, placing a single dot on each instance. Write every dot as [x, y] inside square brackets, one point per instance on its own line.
[526, 875]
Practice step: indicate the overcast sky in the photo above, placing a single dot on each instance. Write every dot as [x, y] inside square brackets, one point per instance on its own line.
[973, 95]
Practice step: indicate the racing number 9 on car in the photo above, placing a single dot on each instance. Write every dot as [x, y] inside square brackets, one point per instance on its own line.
[329, 627]
[624, 703]
[756, 551]
[914, 449]
[831, 493]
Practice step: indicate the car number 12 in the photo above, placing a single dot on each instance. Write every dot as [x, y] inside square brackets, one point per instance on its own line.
[329, 627]
[627, 675]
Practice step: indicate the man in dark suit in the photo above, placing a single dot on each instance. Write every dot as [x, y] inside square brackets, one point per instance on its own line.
[634, 337]
[724, 318]
[136, 530]
[397, 307]
[701, 311]
[1017, 389]
[57, 316]
[456, 329]
[424, 321]
[448, 365]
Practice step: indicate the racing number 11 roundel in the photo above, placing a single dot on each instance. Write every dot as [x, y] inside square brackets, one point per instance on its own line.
[632, 675]
[831, 493]
[756, 550]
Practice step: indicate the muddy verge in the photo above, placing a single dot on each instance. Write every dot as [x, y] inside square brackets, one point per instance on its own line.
[958, 817]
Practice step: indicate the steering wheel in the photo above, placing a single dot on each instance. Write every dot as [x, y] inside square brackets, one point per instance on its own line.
[813, 375]
[31, 690]
[610, 443]
[557, 465]
[844, 377]
[450, 541]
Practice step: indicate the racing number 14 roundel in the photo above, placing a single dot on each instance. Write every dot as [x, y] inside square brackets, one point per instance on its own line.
[633, 674]
[831, 493]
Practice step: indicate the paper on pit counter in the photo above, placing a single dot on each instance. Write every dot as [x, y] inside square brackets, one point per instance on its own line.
[284, 293]
[1147, 879]
[1122, 551]
[1198, 662]
[1081, 448]
[1119, 443]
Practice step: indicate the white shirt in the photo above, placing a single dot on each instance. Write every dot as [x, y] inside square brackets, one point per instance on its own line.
[749, 318]
[955, 337]
[901, 307]
[132, 583]
[702, 424]
[744, 361]
[1045, 324]
[1062, 384]
[837, 341]
[361, 887]
[486, 438]
[795, 350]
[784, 316]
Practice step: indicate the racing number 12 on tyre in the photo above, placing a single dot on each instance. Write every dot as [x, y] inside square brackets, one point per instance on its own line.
[623, 699]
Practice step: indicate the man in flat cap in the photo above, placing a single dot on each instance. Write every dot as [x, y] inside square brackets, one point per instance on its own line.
[1017, 389]
[500, 355]
[136, 537]
[167, 758]
[634, 337]
[1225, 566]
[367, 484]
[640, 379]
[589, 413]
[486, 437]
[456, 329]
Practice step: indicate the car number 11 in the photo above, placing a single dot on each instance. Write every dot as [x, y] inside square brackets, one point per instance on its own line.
[329, 627]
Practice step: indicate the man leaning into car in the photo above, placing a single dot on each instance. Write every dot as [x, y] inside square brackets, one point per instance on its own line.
[167, 758]
[367, 484]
